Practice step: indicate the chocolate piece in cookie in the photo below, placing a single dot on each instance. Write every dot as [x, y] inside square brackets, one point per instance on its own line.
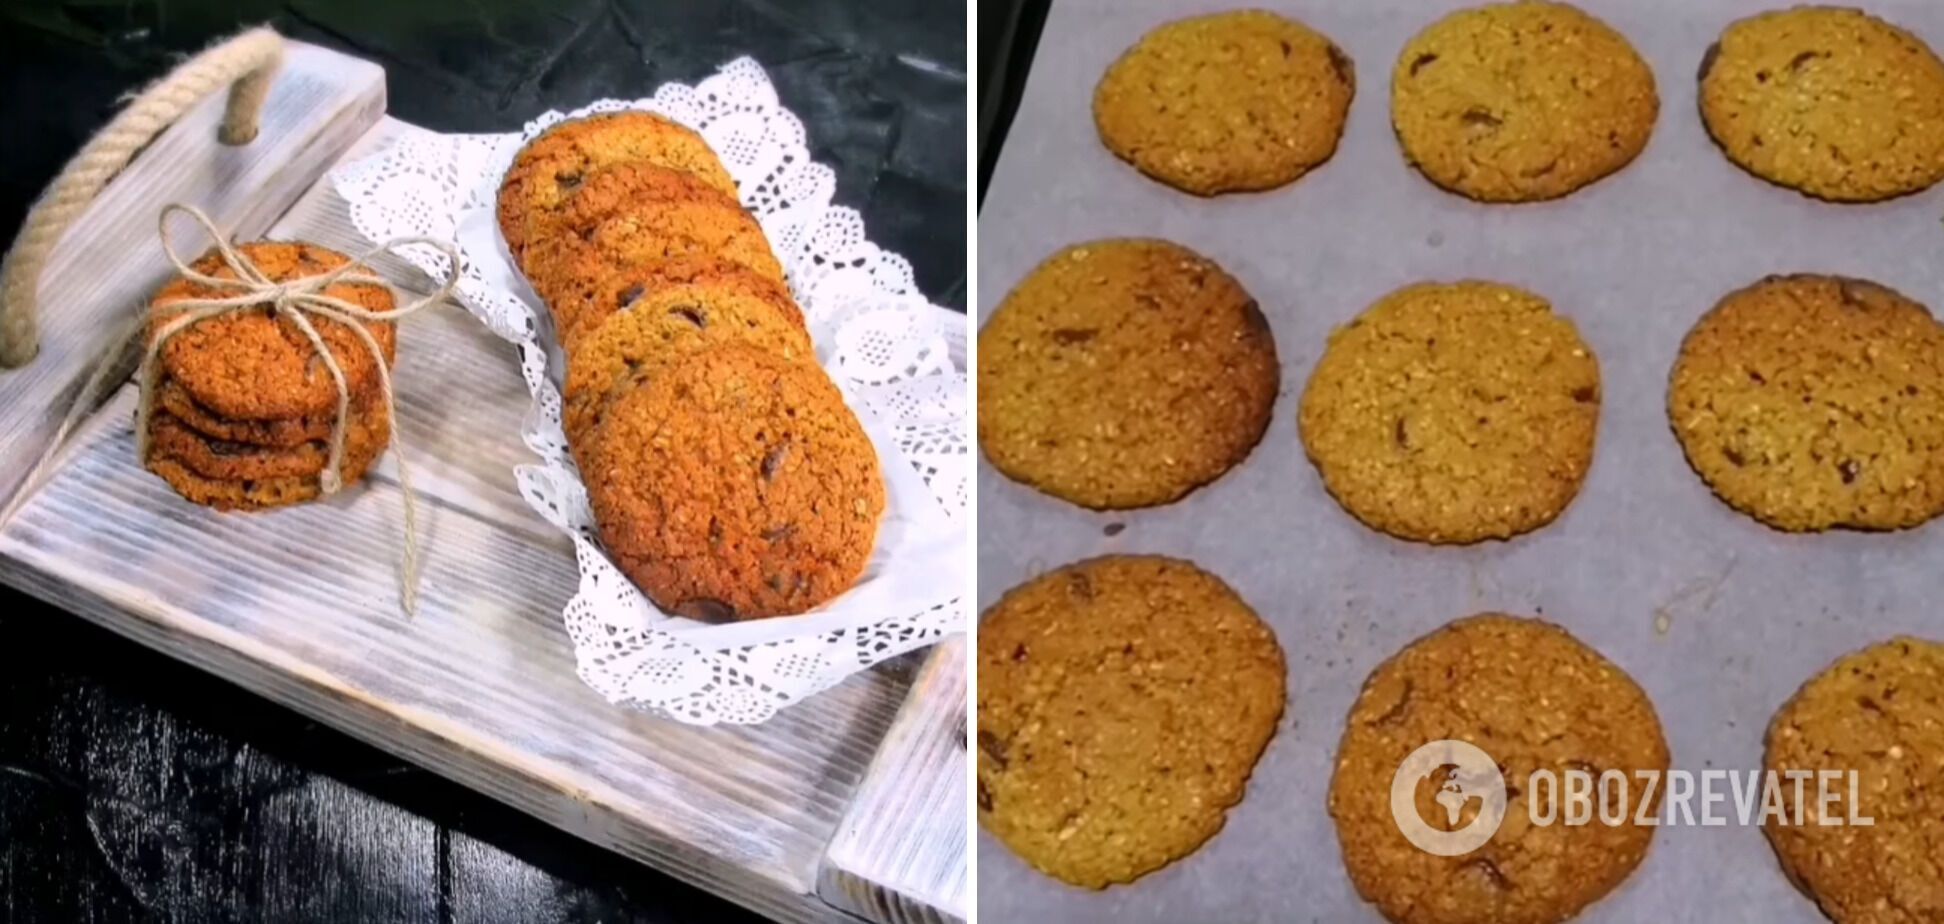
[1832, 102]
[1124, 373]
[1532, 698]
[1517, 102]
[1225, 103]
[1878, 714]
[1812, 402]
[1454, 413]
[736, 485]
[256, 366]
[1123, 703]
[551, 169]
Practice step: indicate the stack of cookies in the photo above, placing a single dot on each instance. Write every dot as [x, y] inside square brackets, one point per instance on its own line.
[243, 405]
[728, 477]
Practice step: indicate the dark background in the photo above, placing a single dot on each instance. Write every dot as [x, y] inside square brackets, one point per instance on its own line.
[135, 788]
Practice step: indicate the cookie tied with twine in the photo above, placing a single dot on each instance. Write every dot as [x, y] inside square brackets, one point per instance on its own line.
[305, 298]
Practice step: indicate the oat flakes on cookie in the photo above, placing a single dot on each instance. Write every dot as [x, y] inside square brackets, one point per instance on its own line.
[1124, 373]
[1831, 102]
[1228, 102]
[1532, 697]
[1122, 705]
[1519, 102]
[738, 485]
[1813, 402]
[1877, 713]
[1454, 413]
[551, 169]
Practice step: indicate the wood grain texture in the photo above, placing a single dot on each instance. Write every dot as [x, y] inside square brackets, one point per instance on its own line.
[300, 606]
[321, 103]
[900, 853]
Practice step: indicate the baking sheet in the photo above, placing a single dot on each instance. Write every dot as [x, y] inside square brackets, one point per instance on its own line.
[1718, 617]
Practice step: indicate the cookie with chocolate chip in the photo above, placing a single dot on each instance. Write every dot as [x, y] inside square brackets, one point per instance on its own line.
[656, 329]
[638, 215]
[1532, 698]
[552, 168]
[1227, 102]
[1124, 373]
[1876, 716]
[1523, 101]
[1454, 413]
[225, 460]
[260, 366]
[737, 485]
[1812, 402]
[1122, 705]
[1832, 102]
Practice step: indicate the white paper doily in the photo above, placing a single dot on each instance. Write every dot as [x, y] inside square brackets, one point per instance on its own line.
[899, 360]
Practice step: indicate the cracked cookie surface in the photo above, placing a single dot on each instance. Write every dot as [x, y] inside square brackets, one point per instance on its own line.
[257, 366]
[1533, 698]
[654, 330]
[1520, 102]
[737, 485]
[1122, 705]
[1878, 713]
[1813, 402]
[1124, 373]
[1454, 413]
[1832, 102]
[1228, 102]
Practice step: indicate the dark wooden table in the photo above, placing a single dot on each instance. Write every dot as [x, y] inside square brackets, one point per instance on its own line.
[135, 788]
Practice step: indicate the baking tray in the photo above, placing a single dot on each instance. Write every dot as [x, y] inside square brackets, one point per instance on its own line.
[1718, 617]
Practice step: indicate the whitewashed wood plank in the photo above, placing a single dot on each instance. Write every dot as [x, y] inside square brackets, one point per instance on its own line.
[299, 605]
[900, 853]
[109, 261]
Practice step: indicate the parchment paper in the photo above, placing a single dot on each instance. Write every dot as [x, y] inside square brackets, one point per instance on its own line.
[1745, 614]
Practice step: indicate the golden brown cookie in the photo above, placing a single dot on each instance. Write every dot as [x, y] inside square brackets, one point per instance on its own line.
[256, 366]
[1811, 402]
[230, 461]
[1123, 703]
[1454, 413]
[553, 167]
[1879, 714]
[737, 485]
[596, 292]
[633, 216]
[259, 493]
[1518, 102]
[275, 433]
[1531, 697]
[1832, 102]
[658, 329]
[1225, 103]
[1124, 373]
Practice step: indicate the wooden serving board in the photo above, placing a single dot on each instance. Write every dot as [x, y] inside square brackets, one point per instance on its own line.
[849, 805]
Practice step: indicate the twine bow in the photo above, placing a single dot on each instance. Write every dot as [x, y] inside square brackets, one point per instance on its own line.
[297, 300]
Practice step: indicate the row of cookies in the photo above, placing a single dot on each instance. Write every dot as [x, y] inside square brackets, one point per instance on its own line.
[242, 407]
[1530, 100]
[1126, 373]
[728, 476]
[1123, 703]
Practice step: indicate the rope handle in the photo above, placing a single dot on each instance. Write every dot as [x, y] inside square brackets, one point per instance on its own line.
[246, 63]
